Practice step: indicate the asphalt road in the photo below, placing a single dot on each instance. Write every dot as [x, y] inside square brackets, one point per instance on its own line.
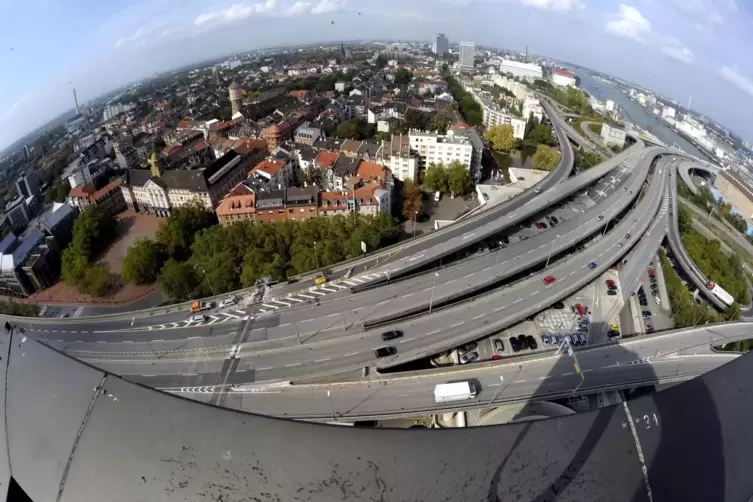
[447, 328]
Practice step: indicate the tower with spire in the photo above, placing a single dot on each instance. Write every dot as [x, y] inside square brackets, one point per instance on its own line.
[236, 96]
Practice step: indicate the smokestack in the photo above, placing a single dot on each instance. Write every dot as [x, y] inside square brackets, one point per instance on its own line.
[75, 100]
[690, 100]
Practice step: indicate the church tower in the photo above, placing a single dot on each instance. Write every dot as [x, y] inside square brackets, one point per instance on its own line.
[236, 96]
[154, 163]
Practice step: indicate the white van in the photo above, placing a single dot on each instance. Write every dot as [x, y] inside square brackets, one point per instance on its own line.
[437, 196]
[458, 391]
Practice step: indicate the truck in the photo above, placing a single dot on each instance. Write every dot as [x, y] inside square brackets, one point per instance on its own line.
[457, 391]
[199, 306]
[722, 295]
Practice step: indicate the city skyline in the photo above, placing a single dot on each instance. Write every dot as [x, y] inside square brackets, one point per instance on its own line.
[123, 43]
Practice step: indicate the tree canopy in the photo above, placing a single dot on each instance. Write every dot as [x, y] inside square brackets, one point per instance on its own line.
[412, 202]
[436, 178]
[440, 122]
[403, 76]
[501, 137]
[546, 158]
[469, 108]
[177, 232]
[355, 128]
[142, 262]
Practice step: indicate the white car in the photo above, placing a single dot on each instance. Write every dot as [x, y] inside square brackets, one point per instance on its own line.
[197, 318]
[658, 301]
[227, 302]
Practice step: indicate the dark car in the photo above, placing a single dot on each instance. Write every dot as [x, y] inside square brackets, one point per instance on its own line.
[514, 344]
[555, 220]
[522, 342]
[558, 305]
[611, 292]
[612, 333]
[654, 286]
[391, 335]
[385, 351]
[544, 225]
[531, 341]
[647, 313]
[601, 217]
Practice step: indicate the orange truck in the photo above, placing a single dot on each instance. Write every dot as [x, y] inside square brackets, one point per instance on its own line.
[199, 306]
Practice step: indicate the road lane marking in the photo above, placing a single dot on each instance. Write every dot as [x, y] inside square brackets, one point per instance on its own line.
[498, 309]
[322, 360]
[382, 303]
[281, 325]
[479, 316]
[406, 340]
[432, 332]
[263, 369]
[457, 324]
[333, 315]
[568, 374]
[351, 354]
[543, 378]
[521, 381]
[409, 294]
[292, 365]
[307, 320]
[589, 369]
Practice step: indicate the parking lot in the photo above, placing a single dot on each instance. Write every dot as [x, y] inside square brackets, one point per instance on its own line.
[655, 316]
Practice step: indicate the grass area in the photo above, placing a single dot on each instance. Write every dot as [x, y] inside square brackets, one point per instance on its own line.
[722, 236]
[685, 311]
[595, 127]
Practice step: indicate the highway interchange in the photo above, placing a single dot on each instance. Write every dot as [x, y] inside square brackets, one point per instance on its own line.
[236, 356]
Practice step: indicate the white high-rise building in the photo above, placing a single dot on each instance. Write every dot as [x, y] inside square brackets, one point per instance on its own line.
[527, 71]
[668, 112]
[467, 55]
[441, 45]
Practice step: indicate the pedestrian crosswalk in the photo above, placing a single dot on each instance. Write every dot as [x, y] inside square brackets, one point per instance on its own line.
[209, 319]
[78, 312]
[316, 292]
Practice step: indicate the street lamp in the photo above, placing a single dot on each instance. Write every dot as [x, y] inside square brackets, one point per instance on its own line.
[433, 283]
[551, 248]
[501, 379]
[415, 216]
[316, 256]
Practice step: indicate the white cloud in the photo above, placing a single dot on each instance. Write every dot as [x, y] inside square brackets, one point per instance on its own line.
[457, 3]
[732, 75]
[241, 11]
[706, 11]
[327, 6]
[134, 39]
[681, 53]
[554, 4]
[630, 24]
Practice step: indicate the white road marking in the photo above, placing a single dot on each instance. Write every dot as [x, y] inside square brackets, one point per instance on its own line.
[382, 303]
[318, 293]
[568, 374]
[351, 354]
[333, 315]
[432, 332]
[349, 283]
[521, 381]
[239, 311]
[307, 320]
[406, 340]
[281, 303]
[543, 378]
[457, 324]
[306, 296]
[295, 299]
[322, 360]
[281, 325]
[329, 290]
[479, 316]
[263, 369]
[275, 307]
[292, 365]
[409, 294]
[589, 369]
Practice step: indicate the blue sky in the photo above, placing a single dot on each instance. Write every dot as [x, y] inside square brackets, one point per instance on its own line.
[678, 47]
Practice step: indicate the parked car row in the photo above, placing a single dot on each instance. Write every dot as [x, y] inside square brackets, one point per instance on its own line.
[523, 342]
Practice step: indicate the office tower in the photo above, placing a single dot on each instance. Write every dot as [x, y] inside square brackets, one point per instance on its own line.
[467, 52]
[440, 45]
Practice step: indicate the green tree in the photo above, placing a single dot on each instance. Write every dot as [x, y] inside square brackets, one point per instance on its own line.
[95, 282]
[347, 129]
[142, 262]
[412, 202]
[546, 158]
[501, 137]
[403, 76]
[540, 135]
[179, 280]
[684, 219]
[530, 124]
[177, 232]
[436, 178]
[458, 178]
[383, 136]
[93, 230]
[414, 119]
[440, 122]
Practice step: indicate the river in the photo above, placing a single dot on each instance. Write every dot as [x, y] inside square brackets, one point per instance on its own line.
[637, 114]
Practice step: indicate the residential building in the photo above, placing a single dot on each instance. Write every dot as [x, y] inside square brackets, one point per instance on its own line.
[494, 115]
[469, 132]
[736, 191]
[18, 213]
[28, 185]
[612, 135]
[15, 254]
[532, 106]
[276, 134]
[58, 223]
[563, 78]
[110, 197]
[26, 152]
[668, 112]
[527, 71]
[340, 86]
[440, 44]
[609, 106]
[275, 173]
[433, 148]
[467, 56]
[370, 199]
[307, 134]
[519, 89]
[344, 169]
[397, 155]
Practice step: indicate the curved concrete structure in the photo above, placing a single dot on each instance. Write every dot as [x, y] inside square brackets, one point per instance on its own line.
[74, 433]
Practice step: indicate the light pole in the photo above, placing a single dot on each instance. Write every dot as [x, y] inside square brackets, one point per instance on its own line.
[296, 331]
[701, 315]
[415, 216]
[433, 283]
[501, 379]
[551, 248]
[329, 398]
[316, 256]
[208, 282]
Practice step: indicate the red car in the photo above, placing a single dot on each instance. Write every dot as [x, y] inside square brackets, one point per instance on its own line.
[610, 282]
[538, 225]
[496, 357]
[549, 279]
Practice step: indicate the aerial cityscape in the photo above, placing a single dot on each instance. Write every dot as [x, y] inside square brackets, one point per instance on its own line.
[263, 276]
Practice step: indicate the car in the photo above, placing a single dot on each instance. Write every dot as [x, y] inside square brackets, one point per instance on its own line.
[227, 302]
[197, 318]
[486, 196]
[531, 341]
[654, 286]
[523, 237]
[391, 335]
[619, 244]
[468, 357]
[614, 327]
[527, 225]
[499, 345]
[538, 225]
[538, 190]
[647, 313]
[549, 279]
[643, 302]
[601, 217]
[558, 305]
[627, 235]
[592, 265]
[611, 292]
[544, 225]
[583, 339]
[559, 338]
[514, 344]
[658, 301]
[651, 271]
[630, 192]
[612, 334]
[654, 292]
[609, 282]
[588, 311]
[624, 189]
[555, 220]
[496, 357]
[546, 340]
[652, 279]
[65, 316]
[385, 351]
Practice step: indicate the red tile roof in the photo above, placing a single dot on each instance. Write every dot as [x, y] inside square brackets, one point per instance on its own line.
[564, 73]
[370, 171]
[326, 159]
[271, 167]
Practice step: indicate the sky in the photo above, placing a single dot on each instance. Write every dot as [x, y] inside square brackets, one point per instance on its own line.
[680, 48]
